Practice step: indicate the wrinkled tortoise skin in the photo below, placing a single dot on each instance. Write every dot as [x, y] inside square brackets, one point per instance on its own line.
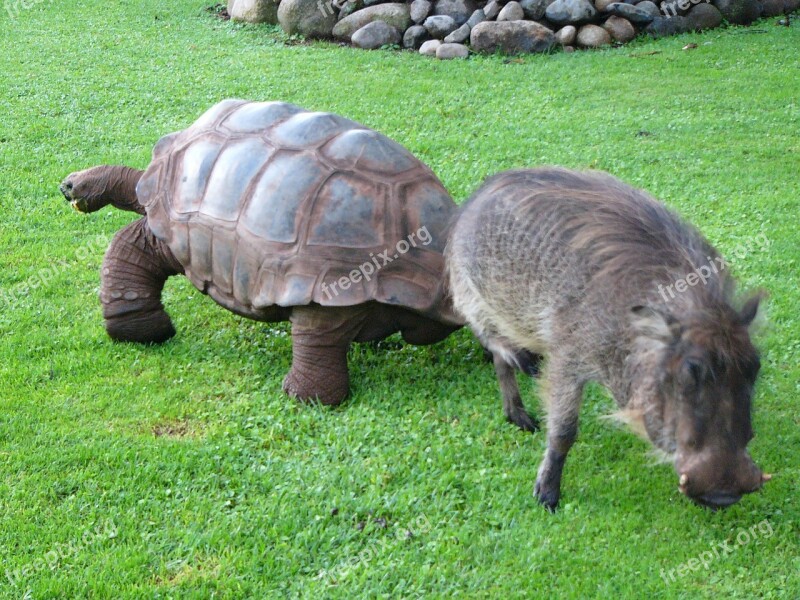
[263, 203]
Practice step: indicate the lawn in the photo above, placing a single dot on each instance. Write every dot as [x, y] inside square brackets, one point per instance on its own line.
[183, 471]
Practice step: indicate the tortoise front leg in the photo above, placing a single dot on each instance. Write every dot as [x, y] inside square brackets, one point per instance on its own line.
[134, 270]
[320, 340]
[92, 189]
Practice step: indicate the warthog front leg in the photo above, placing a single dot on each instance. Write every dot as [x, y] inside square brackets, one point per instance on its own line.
[513, 406]
[564, 401]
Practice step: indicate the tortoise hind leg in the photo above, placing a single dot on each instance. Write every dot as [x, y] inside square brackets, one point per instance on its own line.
[134, 270]
[320, 340]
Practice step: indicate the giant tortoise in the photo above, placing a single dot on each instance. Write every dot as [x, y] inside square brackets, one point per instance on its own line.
[279, 214]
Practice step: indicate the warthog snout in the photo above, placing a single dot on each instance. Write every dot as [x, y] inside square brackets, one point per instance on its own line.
[719, 481]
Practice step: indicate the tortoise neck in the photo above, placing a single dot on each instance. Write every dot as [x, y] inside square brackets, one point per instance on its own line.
[121, 188]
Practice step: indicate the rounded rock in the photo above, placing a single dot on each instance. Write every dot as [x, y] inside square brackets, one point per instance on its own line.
[511, 12]
[429, 48]
[511, 37]
[306, 18]
[254, 11]
[440, 25]
[419, 10]
[451, 51]
[374, 35]
[704, 16]
[650, 8]
[570, 12]
[739, 12]
[394, 14]
[459, 10]
[592, 36]
[566, 35]
[491, 10]
[459, 35]
[415, 36]
[620, 29]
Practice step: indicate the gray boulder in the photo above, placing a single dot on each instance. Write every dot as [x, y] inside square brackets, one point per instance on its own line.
[632, 13]
[419, 10]
[534, 9]
[394, 14]
[254, 11]
[429, 48]
[511, 37]
[459, 10]
[306, 18]
[704, 16]
[491, 10]
[566, 35]
[440, 25]
[649, 7]
[450, 51]
[374, 35]
[620, 29]
[570, 12]
[666, 26]
[511, 12]
[592, 36]
[739, 12]
[459, 35]
[771, 8]
[415, 36]
[476, 17]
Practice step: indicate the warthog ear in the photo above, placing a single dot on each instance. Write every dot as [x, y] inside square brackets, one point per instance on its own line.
[750, 309]
[655, 324]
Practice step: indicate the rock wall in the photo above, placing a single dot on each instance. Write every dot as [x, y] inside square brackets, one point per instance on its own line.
[443, 28]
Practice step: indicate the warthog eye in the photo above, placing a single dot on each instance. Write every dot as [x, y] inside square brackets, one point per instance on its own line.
[693, 373]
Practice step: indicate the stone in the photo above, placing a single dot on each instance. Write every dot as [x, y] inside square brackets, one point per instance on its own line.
[665, 26]
[429, 48]
[440, 25]
[601, 5]
[568, 49]
[739, 12]
[394, 14]
[512, 12]
[349, 7]
[771, 8]
[570, 12]
[511, 37]
[704, 16]
[634, 14]
[306, 18]
[592, 36]
[374, 35]
[534, 9]
[415, 36]
[620, 29]
[476, 17]
[450, 51]
[459, 35]
[459, 10]
[566, 35]
[649, 7]
[419, 10]
[254, 11]
[491, 10]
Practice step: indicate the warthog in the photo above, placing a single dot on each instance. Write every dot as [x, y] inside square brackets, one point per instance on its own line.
[569, 265]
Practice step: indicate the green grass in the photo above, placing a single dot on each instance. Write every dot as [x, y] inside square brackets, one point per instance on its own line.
[182, 471]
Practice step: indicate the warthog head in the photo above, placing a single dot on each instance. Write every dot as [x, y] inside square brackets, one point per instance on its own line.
[700, 397]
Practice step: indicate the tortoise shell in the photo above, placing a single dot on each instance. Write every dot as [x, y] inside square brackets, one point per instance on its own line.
[266, 204]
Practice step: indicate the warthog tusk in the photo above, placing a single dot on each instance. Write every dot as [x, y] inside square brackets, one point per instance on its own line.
[683, 480]
[765, 477]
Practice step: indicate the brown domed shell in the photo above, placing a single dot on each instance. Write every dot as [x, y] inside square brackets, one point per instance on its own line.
[267, 204]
